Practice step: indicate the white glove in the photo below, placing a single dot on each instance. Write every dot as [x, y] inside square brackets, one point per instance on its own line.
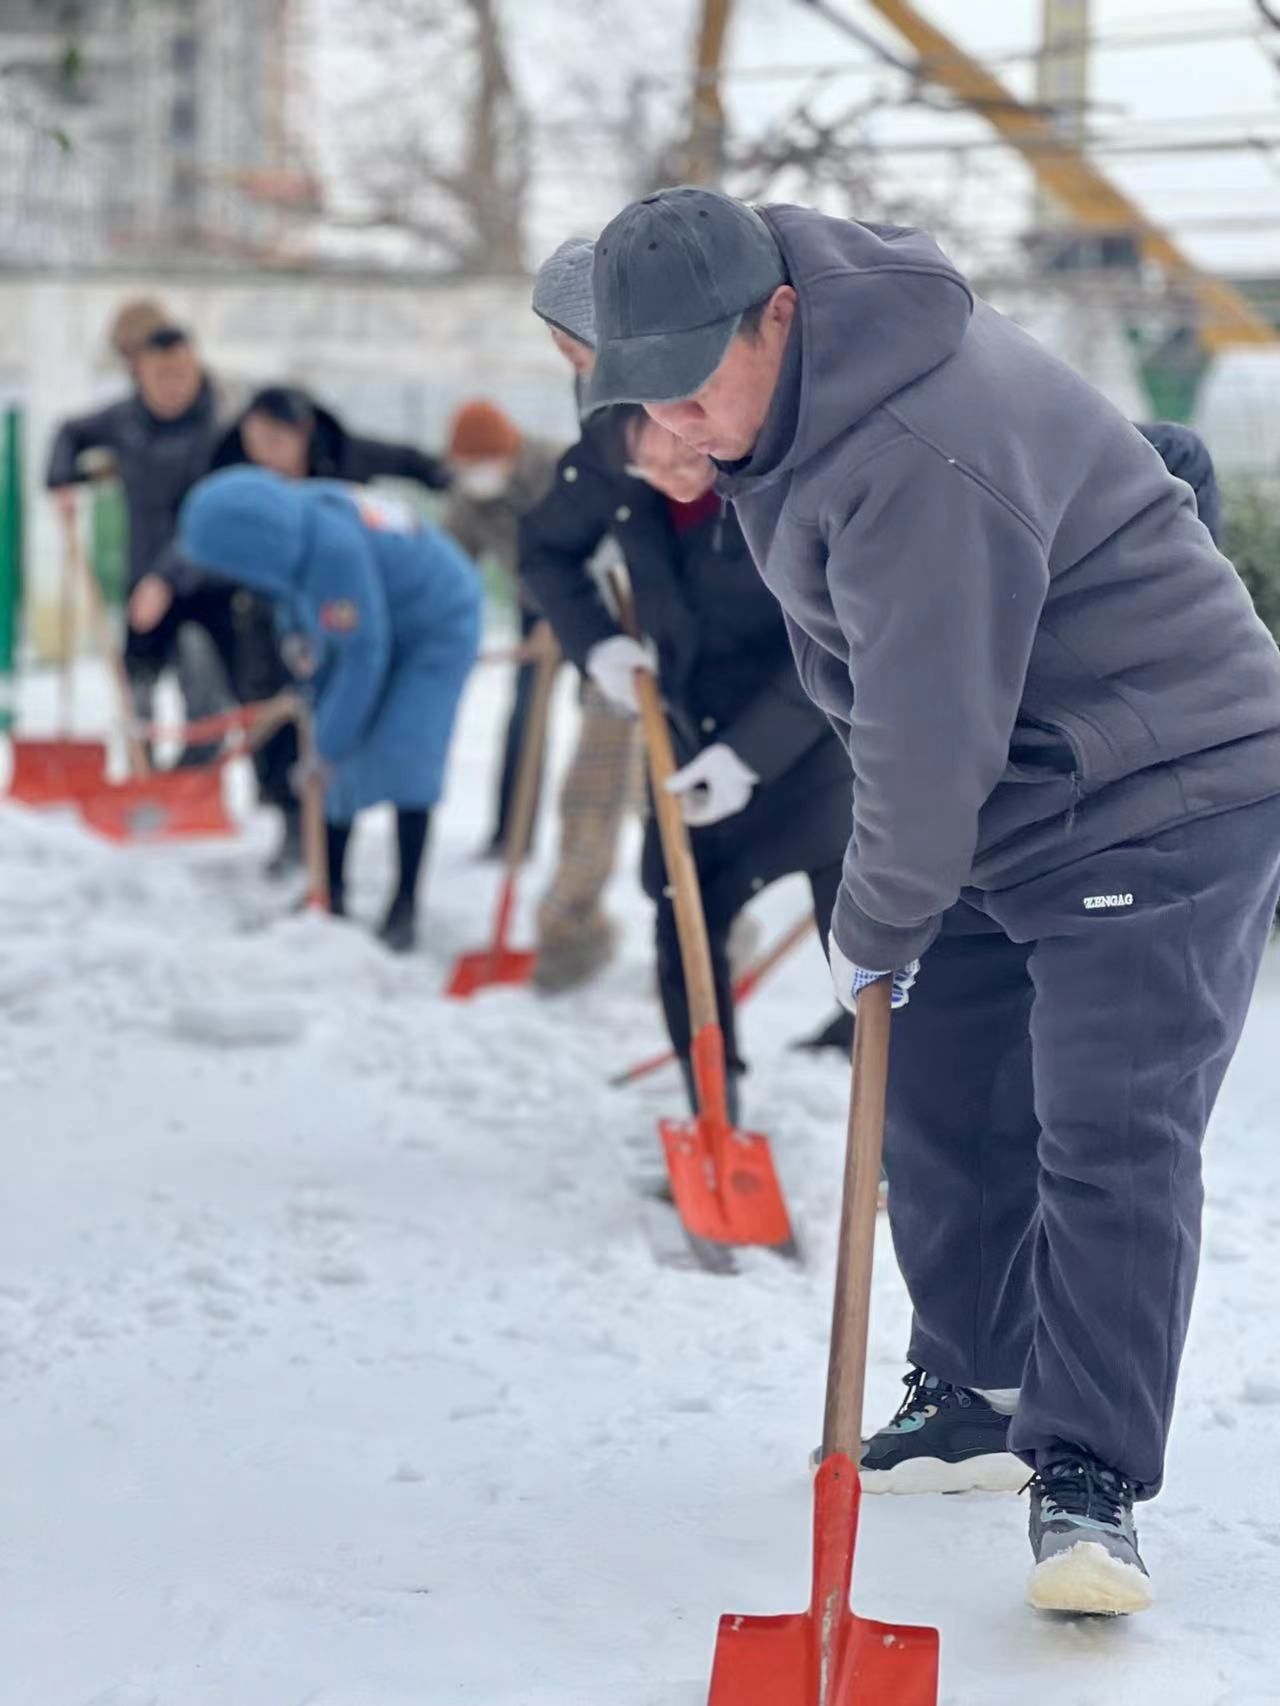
[612, 665]
[716, 785]
[849, 980]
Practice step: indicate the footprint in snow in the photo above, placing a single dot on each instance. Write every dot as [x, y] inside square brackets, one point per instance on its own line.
[1262, 1390]
[238, 1025]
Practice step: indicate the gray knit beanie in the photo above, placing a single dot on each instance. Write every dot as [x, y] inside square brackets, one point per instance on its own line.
[562, 290]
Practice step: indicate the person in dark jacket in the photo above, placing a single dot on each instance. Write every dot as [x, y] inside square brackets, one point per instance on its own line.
[284, 429]
[387, 611]
[1063, 721]
[763, 781]
[160, 441]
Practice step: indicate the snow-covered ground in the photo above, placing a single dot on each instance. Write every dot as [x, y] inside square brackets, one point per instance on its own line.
[335, 1367]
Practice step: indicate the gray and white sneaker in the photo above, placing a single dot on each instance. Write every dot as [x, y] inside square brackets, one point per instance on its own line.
[1084, 1541]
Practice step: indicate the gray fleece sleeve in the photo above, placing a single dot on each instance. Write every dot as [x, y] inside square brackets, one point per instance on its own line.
[937, 585]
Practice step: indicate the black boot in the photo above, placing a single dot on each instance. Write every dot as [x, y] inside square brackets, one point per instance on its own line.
[837, 1033]
[399, 929]
[288, 856]
[337, 838]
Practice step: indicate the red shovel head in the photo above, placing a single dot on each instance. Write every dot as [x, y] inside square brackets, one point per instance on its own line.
[722, 1179]
[53, 772]
[496, 965]
[488, 968]
[173, 805]
[826, 1656]
[724, 1184]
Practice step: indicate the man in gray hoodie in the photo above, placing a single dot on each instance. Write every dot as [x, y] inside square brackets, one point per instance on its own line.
[1063, 721]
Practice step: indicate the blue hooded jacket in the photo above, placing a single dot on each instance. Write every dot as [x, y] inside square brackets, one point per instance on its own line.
[388, 606]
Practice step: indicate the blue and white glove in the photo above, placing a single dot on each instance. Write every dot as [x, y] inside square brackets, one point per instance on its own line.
[850, 980]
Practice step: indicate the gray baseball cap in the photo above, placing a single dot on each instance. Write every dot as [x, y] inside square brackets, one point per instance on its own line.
[674, 273]
[562, 290]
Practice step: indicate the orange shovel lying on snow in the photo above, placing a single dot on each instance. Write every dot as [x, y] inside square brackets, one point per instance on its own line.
[149, 806]
[499, 964]
[722, 1179]
[827, 1655]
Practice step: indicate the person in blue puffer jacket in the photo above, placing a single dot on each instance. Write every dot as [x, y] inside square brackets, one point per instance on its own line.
[385, 610]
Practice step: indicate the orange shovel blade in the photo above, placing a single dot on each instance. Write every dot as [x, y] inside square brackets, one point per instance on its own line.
[174, 805]
[724, 1184]
[489, 968]
[53, 772]
[826, 1656]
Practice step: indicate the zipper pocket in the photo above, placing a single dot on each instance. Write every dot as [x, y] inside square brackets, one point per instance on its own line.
[1062, 733]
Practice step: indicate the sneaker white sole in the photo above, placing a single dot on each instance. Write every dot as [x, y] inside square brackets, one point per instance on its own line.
[994, 1472]
[1087, 1580]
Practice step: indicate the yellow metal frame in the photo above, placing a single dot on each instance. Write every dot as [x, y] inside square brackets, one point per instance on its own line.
[1227, 319]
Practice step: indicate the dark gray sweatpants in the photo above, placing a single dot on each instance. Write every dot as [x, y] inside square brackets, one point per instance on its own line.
[1050, 1084]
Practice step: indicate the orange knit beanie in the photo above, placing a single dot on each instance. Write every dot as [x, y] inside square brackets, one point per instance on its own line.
[482, 432]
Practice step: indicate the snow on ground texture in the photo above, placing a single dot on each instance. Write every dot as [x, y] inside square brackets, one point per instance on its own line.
[335, 1369]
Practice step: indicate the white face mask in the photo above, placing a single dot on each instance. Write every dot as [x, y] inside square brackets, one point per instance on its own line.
[482, 480]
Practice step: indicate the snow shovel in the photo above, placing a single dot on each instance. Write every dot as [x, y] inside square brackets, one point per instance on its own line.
[827, 1655]
[743, 989]
[150, 806]
[500, 965]
[314, 841]
[58, 771]
[722, 1180]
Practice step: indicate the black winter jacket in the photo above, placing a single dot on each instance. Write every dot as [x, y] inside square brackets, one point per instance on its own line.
[725, 662]
[337, 454]
[158, 462]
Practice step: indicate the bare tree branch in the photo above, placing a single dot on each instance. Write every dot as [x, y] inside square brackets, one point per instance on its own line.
[453, 174]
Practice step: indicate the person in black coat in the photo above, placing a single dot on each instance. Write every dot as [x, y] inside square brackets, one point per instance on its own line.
[160, 441]
[764, 781]
[284, 429]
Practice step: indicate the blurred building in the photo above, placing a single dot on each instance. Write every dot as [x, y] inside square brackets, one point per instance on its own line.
[133, 130]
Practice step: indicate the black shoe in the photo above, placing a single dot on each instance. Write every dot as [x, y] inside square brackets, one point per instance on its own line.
[288, 856]
[944, 1439]
[837, 1034]
[1084, 1541]
[399, 929]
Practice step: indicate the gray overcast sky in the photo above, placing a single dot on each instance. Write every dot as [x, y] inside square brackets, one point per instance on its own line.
[1209, 86]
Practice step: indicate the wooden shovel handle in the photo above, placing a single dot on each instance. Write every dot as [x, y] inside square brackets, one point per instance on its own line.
[847, 1369]
[682, 872]
[67, 644]
[543, 645]
[315, 844]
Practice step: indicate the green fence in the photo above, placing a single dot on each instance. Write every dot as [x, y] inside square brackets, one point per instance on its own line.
[109, 540]
[10, 556]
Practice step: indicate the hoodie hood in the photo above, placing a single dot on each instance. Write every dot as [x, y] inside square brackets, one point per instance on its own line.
[246, 525]
[878, 307]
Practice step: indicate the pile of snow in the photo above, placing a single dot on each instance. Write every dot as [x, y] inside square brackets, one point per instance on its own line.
[336, 1368]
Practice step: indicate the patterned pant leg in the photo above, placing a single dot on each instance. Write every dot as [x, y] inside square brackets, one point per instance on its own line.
[598, 790]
